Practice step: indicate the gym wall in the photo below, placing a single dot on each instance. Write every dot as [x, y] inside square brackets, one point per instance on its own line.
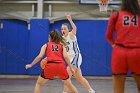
[19, 46]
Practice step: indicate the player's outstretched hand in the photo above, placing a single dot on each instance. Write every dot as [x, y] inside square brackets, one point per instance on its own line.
[28, 66]
[113, 45]
[68, 17]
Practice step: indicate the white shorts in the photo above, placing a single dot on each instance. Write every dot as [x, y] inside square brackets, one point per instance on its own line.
[76, 60]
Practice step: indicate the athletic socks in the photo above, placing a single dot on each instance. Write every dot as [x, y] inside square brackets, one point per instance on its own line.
[91, 90]
[64, 92]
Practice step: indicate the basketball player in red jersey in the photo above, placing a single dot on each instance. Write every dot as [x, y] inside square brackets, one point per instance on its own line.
[55, 64]
[126, 45]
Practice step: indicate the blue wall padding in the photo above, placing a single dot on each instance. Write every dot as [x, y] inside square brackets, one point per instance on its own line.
[19, 46]
[14, 47]
[2, 53]
[38, 37]
[92, 43]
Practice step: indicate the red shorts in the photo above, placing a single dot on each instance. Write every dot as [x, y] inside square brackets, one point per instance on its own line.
[53, 69]
[125, 59]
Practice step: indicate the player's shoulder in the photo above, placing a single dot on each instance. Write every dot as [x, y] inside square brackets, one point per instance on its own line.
[114, 15]
[72, 36]
[49, 43]
[122, 13]
[44, 46]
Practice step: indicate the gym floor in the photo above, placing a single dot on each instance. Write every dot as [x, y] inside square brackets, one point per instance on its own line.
[56, 86]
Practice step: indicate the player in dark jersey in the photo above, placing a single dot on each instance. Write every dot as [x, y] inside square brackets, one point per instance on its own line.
[126, 45]
[55, 66]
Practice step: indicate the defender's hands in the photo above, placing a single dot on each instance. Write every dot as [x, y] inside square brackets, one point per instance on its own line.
[69, 17]
[28, 66]
[113, 45]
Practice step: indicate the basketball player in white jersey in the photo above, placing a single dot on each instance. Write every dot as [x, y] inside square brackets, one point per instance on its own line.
[74, 54]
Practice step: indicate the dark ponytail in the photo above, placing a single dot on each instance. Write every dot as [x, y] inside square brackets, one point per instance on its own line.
[131, 6]
[57, 37]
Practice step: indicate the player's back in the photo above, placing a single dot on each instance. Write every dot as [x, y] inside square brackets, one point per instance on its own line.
[128, 29]
[54, 52]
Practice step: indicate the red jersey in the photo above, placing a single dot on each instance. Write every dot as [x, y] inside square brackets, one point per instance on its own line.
[127, 27]
[54, 52]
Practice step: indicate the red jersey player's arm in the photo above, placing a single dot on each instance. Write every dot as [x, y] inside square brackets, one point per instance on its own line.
[111, 28]
[41, 54]
[38, 58]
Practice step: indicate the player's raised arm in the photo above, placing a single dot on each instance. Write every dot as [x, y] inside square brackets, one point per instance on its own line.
[38, 58]
[74, 28]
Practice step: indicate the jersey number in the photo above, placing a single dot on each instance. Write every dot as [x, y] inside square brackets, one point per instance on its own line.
[128, 20]
[55, 48]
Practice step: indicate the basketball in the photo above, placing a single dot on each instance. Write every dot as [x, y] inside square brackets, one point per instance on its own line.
[43, 63]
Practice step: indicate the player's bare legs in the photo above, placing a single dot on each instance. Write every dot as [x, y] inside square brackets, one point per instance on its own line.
[80, 78]
[66, 89]
[137, 79]
[71, 87]
[41, 81]
[119, 83]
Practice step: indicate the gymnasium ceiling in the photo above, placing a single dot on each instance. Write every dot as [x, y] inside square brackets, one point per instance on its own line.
[94, 12]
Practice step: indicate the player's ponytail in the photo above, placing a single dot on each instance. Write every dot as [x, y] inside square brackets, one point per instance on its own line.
[131, 6]
[57, 37]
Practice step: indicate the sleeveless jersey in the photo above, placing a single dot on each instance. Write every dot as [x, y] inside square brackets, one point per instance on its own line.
[71, 44]
[54, 52]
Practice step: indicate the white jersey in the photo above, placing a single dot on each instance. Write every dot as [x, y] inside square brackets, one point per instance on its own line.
[71, 44]
[73, 50]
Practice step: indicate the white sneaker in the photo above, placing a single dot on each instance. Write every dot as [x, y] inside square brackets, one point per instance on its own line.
[91, 91]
